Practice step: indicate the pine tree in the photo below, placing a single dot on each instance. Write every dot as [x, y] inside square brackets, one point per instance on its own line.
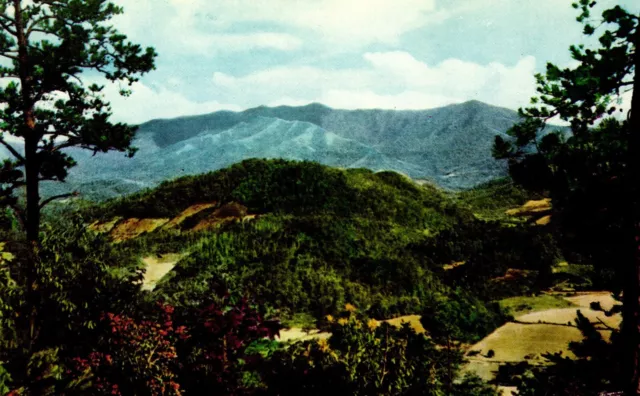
[593, 173]
[48, 47]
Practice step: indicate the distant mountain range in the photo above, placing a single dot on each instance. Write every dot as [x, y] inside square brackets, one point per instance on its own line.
[450, 146]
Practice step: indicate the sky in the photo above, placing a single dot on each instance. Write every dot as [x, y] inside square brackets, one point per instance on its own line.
[349, 54]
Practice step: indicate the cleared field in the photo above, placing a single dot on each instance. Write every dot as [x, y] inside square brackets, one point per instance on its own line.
[567, 316]
[157, 267]
[297, 334]
[515, 342]
[584, 299]
[536, 333]
[522, 305]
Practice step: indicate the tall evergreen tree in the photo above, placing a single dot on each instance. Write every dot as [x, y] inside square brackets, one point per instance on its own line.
[48, 46]
[593, 173]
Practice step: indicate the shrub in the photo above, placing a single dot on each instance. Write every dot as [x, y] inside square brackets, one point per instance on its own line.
[365, 357]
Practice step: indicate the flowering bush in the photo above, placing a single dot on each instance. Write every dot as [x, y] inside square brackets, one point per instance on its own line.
[214, 356]
[135, 356]
[156, 353]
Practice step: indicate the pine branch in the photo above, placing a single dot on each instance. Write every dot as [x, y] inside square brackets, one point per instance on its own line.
[13, 151]
[605, 325]
[6, 55]
[6, 22]
[34, 24]
[61, 196]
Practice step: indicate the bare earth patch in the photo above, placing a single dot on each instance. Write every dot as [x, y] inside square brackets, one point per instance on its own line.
[157, 267]
[104, 227]
[565, 316]
[413, 320]
[188, 212]
[131, 228]
[297, 334]
[531, 208]
[584, 299]
[448, 267]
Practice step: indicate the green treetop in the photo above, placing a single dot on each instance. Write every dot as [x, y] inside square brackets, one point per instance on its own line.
[48, 46]
[593, 173]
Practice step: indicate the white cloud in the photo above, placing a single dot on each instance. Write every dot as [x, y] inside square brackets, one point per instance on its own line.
[210, 25]
[355, 21]
[146, 103]
[186, 27]
[408, 100]
[390, 80]
[204, 44]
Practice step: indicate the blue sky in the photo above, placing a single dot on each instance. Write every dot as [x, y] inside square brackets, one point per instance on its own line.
[403, 54]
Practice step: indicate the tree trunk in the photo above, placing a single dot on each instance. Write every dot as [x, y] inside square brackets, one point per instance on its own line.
[631, 297]
[32, 171]
[32, 164]
[33, 194]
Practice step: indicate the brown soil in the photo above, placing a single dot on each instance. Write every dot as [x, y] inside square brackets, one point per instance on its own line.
[531, 208]
[104, 227]
[230, 212]
[190, 211]
[157, 267]
[544, 220]
[131, 228]
[451, 266]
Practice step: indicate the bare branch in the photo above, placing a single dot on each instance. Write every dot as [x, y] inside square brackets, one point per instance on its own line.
[6, 22]
[34, 24]
[66, 144]
[61, 196]
[39, 31]
[12, 150]
[605, 325]
[12, 57]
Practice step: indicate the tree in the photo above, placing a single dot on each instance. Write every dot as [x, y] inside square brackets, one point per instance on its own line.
[48, 45]
[592, 173]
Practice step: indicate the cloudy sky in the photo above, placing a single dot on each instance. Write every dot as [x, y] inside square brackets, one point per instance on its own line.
[396, 54]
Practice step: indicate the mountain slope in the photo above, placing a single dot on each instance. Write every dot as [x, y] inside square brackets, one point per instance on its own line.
[450, 146]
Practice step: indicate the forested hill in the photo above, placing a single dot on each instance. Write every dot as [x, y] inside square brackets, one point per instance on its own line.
[293, 188]
[450, 146]
[305, 239]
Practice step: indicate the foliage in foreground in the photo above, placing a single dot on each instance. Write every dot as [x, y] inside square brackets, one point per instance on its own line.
[100, 336]
[365, 357]
[596, 369]
[592, 175]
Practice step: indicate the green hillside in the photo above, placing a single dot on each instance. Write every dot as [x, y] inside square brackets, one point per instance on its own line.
[296, 188]
[325, 237]
[490, 200]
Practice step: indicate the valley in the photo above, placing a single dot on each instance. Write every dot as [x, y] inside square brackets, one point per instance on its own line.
[327, 198]
[306, 239]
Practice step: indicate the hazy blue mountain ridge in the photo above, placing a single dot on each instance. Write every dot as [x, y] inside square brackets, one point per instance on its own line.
[451, 145]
